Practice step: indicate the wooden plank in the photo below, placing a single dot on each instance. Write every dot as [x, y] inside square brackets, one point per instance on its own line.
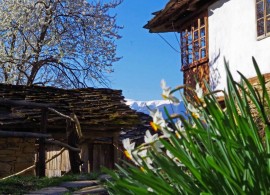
[91, 156]
[85, 158]
[23, 134]
[102, 156]
[65, 163]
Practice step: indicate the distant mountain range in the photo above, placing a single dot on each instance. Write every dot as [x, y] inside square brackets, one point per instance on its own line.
[144, 106]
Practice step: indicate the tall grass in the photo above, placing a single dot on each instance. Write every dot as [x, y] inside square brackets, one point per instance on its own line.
[217, 151]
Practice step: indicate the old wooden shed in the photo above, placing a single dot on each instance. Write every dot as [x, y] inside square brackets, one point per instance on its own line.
[101, 113]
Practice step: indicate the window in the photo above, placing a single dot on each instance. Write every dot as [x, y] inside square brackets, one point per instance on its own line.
[194, 42]
[263, 17]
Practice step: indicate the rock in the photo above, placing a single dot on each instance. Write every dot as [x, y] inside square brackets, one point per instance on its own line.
[79, 184]
[50, 191]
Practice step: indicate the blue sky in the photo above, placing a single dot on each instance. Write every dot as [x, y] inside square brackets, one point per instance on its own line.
[146, 57]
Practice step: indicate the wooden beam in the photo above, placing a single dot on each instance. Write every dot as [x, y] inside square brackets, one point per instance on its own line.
[60, 114]
[85, 158]
[23, 134]
[73, 140]
[41, 148]
[56, 142]
[91, 156]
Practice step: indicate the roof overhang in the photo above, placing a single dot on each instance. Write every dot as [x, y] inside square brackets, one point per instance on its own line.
[175, 14]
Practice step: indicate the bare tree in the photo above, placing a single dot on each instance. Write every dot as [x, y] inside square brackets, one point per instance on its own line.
[63, 43]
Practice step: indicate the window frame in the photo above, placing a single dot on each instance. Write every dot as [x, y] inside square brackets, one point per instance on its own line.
[265, 18]
[191, 28]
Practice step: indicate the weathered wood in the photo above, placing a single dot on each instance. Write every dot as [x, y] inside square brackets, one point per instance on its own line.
[73, 140]
[23, 134]
[77, 125]
[41, 148]
[102, 156]
[56, 142]
[61, 114]
[85, 158]
[7, 102]
[91, 156]
[34, 166]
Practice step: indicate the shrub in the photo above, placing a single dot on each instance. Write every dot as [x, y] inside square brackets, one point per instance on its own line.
[215, 151]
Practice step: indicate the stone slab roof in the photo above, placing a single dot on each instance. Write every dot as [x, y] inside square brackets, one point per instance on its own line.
[98, 110]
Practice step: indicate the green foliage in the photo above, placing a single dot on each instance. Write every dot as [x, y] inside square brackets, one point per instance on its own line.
[24, 184]
[220, 150]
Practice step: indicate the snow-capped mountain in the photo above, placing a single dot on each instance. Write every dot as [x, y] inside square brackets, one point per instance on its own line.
[144, 106]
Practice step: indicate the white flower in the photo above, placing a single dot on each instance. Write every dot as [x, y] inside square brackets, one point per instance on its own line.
[180, 128]
[156, 115]
[148, 161]
[166, 133]
[129, 147]
[193, 110]
[153, 139]
[178, 125]
[135, 157]
[169, 154]
[166, 92]
[158, 145]
[148, 138]
[150, 189]
[142, 153]
[199, 91]
[165, 89]
[158, 121]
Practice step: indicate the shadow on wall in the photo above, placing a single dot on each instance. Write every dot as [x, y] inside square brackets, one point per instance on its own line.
[218, 4]
[215, 74]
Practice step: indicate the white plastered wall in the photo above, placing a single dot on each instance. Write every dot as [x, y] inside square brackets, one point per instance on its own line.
[232, 34]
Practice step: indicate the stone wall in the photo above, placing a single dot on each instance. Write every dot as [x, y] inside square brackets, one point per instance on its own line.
[16, 154]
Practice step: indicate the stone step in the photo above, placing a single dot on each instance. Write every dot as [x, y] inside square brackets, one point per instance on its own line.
[92, 190]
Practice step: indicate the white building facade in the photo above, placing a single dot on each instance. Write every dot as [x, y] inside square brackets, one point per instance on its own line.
[214, 30]
[232, 29]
